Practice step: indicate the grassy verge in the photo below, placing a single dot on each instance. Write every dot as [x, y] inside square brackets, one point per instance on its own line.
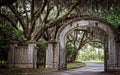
[43, 69]
[75, 65]
[25, 71]
[90, 60]
[40, 70]
[17, 71]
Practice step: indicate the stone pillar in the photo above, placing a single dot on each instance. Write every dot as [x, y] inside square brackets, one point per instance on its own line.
[62, 59]
[49, 56]
[114, 53]
[52, 54]
[56, 55]
[32, 54]
[118, 55]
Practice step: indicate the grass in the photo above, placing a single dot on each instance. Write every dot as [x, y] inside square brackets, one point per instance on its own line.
[93, 61]
[75, 65]
[25, 71]
[43, 69]
[90, 60]
[19, 71]
[40, 70]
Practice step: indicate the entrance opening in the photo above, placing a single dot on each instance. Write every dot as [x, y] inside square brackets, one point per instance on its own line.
[87, 47]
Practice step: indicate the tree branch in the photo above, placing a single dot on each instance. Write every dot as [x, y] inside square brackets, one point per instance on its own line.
[64, 16]
[58, 13]
[69, 40]
[81, 41]
[32, 27]
[40, 10]
[38, 35]
[47, 14]
[18, 16]
[8, 19]
[26, 12]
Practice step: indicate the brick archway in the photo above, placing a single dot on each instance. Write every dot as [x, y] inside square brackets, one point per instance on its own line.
[56, 49]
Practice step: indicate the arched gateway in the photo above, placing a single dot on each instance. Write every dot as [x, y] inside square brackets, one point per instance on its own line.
[55, 54]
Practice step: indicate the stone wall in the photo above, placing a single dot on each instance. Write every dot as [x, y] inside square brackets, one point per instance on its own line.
[22, 56]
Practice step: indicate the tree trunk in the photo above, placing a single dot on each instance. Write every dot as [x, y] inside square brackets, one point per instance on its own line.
[74, 56]
[99, 54]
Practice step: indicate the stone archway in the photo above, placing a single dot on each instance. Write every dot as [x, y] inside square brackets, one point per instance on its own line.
[55, 54]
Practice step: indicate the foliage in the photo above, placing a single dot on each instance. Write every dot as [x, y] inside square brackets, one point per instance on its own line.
[87, 53]
[34, 18]
[41, 53]
[70, 50]
[43, 44]
[38, 18]
[112, 15]
[75, 65]
[90, 53]
[77, 39]
[6, 33]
